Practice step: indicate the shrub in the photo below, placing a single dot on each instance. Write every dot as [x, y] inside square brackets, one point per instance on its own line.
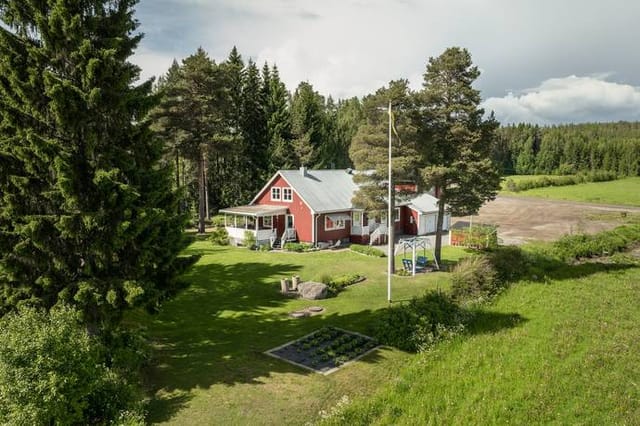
[337, 284]
[249, 240]
[564, 180]
[53, 372]
[218, 221]
[420, 323]
[571, 247]
[510, 263]
[219, 237]
[368, 250]
[298, 247]
[474, 278]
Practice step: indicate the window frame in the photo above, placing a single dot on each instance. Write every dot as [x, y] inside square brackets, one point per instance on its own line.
[337, 225]
[279, 192]
[264, 222]
[288, 190]
[396, 210]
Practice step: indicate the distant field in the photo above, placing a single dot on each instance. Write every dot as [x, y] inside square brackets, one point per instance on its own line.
[559, 352]
[622, 191]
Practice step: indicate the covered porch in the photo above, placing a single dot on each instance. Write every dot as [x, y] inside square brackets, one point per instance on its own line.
[261, 220]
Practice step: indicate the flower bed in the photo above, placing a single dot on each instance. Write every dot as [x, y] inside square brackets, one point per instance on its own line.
[325, 350]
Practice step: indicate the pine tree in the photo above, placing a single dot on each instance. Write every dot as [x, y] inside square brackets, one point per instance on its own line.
[456, 140]
[369, 149]
[87, 216]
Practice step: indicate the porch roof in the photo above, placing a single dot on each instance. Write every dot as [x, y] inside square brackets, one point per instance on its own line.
[256, 210]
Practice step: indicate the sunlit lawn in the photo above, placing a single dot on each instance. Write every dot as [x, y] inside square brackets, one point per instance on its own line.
[622, 191]
[209, 366]
[570, 356]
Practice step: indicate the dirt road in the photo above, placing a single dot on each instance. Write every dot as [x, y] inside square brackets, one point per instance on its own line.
[522, 219]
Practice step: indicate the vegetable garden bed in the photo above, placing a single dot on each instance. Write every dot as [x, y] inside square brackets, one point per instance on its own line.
[325, 350]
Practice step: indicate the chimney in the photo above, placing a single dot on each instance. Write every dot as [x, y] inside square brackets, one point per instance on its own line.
[303, 171]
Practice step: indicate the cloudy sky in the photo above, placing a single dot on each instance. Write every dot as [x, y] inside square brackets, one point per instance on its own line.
[542, 61]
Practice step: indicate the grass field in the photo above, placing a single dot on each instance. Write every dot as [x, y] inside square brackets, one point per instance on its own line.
[623, 192]
[565, 353]
[209, 366]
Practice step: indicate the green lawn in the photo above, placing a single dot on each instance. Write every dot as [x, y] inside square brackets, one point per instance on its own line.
[566, 352]
[622, 191]
[209, 366]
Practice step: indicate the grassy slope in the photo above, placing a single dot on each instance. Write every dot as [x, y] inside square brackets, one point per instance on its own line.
[569, 356]
[622, 191]
[209, 365]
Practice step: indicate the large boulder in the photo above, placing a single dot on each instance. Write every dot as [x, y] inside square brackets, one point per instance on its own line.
[312, 291]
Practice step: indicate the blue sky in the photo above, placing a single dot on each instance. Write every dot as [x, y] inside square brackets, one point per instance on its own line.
[542, 61]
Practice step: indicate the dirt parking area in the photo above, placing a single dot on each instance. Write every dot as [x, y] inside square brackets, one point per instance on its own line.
[522, 219]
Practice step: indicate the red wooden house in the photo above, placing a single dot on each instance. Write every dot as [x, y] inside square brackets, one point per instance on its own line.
[314, 206]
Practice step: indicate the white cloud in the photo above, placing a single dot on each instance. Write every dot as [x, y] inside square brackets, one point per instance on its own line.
[152, 64]
[569, 99]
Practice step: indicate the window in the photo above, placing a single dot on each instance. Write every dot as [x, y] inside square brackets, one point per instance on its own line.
[275, 194]
[332, 225]
[287, 194]
[266, 222]
[396, 214]
[356, 218]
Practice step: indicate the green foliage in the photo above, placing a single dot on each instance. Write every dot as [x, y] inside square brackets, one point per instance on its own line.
[87, 214]
[298, 247]
[338, 283]
[53, 372]
[250, 240]
[572, 247]
[457, 140]
[544, 181]
[569, 149]
[419, 324]
[474, 278]
[220, 237]
[368, 250]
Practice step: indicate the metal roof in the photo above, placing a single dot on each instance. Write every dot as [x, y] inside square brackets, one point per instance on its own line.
[256, 210]
[323, 190]
[424, 203]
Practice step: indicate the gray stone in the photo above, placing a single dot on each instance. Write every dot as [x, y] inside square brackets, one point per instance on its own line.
[312, 291]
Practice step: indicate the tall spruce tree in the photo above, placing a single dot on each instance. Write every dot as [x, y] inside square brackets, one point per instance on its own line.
[278, 115]
[254, 129]
[456, 139]
[307, 124]
[87, 216]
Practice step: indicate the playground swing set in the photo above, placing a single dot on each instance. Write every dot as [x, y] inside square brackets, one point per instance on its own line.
[417, 263]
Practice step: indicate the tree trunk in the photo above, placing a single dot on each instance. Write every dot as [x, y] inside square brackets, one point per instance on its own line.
[201, 195]
[177, 170]
[439, 223]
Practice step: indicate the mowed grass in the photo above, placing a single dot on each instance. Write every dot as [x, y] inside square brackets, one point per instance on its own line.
[569, 356]
[209, 366]
[622, 191]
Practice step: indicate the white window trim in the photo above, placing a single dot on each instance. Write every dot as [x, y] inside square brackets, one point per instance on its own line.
[356, 218]
[279, 197]
[284, 191]
[268, 219]
[337, 225]
[397, 209]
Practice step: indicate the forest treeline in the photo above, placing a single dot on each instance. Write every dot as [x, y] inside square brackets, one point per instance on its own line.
[229, 126]
[568, 149]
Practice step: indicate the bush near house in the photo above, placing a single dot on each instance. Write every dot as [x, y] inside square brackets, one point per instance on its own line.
[219, 237]
[298, 247]
[369, 251]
